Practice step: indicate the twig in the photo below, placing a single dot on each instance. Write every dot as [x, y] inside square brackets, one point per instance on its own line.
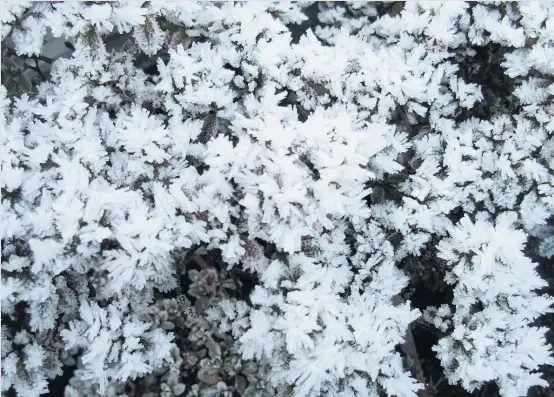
[483, 390]
[200, 262]
[37, 69]
[42, 58]
[435, 385]
[411, 351]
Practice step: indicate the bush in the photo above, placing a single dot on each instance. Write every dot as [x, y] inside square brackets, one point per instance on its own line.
[315, 168]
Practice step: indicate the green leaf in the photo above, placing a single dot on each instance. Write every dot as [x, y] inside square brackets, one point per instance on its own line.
[397, 8]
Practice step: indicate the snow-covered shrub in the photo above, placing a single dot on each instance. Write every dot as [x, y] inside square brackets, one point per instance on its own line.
[333, 157]
[205, 360]
[493, 307]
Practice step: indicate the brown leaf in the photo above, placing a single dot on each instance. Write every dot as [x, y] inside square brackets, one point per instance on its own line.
[209, 375]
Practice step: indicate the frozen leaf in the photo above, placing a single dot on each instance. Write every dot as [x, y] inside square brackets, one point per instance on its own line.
[240, 384]
[213, 348]
[209, 375]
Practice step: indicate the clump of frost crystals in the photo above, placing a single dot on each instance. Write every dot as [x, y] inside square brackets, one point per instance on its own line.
[324, 323]
[324, 330]
[298, 179]
[495, 301]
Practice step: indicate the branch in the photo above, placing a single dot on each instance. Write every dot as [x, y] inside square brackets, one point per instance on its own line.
[42, 58]
[37, 69]
[200, 262]
[409, 348]
[411, 351]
